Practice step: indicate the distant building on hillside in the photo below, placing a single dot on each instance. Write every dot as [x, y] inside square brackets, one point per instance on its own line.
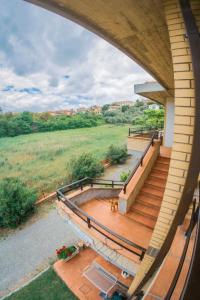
[82, 110]
[65, 112]
[95, 109]
[118, 104]
[154, 106]
[123, 102]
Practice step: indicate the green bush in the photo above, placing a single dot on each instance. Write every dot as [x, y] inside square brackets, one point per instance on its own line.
[116, 155]
[86, 165]
[124, 175]
[16, 202]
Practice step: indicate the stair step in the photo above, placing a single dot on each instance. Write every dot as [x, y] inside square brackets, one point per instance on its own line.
[160, 171]
[153, 185]
[147, 222]
[157, 180]
[147, 201]
[163, 160]
[161, 166]
[146, 211]
[159, 175]
[152, 192]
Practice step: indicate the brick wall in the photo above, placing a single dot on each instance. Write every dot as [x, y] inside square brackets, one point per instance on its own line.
[183, 131]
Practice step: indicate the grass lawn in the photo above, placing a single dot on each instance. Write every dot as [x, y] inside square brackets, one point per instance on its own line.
[40, 158]
[46, 286]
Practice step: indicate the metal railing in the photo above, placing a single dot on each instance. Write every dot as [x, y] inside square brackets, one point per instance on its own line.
[140, 162]
[92, 222]
[194, 221]
[143, 130]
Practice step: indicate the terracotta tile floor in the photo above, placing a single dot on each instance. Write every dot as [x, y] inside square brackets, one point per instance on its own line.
[165, 151]
[126, 227]
[163, 281]
[71, 273]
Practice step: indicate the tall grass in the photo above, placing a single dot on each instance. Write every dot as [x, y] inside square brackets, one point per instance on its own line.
[40, 159]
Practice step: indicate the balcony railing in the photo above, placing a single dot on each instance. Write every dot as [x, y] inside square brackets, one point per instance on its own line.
[92, 222]
[144, 131]
[191, 283]
[154, 135]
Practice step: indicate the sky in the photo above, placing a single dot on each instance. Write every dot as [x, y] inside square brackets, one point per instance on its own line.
[49, 63]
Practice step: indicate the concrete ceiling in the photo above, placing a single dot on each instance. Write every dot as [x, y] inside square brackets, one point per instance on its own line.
[153, 91]
[136, 27]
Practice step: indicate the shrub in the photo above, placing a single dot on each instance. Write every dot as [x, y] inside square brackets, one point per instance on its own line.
[16, 202]
[86, 165]
[124, 175]
[116, 155]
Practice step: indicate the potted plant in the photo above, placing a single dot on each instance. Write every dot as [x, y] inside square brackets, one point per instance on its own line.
[66, 253]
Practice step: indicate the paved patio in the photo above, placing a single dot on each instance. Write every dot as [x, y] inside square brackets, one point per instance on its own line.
[71, 273]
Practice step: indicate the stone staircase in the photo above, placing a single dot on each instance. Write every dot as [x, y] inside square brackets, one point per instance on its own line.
[147, 204]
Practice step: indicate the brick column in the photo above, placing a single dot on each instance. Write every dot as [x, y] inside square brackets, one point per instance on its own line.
[183, 132]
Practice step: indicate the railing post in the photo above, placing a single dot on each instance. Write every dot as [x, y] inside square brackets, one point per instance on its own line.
[112, 184]
[124, 189]
[88, 222]
[142, 255]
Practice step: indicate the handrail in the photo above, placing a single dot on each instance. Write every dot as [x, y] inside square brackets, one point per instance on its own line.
[143, 130]
[140, 162]
[194, 219]
[191, 286]
[91, 221]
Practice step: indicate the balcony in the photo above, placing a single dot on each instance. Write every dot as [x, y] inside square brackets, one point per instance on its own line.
[116, 237]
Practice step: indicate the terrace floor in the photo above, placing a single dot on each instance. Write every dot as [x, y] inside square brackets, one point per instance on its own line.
[71, 273]
[100, 209]
[163, 281]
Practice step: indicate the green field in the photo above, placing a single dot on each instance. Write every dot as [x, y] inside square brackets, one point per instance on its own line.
[46, 286]
[40, 159]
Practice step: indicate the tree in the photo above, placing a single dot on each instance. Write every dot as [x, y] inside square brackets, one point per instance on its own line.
[125, 108]
[16, 202]
[105, 108]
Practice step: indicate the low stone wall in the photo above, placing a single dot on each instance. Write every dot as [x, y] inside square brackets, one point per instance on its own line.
[88, 194]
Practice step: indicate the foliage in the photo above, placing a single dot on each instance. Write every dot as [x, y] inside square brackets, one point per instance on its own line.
[116, 154]
[138, 115]
[85, 165]
[125, 108]
[105, 108]
[16, 202]
[150, 119]
[46, 286]
[124, 175]
[26, 122]
[65, 252]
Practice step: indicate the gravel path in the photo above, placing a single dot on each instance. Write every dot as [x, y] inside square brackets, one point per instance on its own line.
[28, 250]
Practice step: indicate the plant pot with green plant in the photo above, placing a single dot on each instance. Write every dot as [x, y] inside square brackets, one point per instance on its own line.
[66, 253]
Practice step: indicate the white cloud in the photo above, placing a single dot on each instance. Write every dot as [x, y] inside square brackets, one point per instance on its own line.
[49, 47]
